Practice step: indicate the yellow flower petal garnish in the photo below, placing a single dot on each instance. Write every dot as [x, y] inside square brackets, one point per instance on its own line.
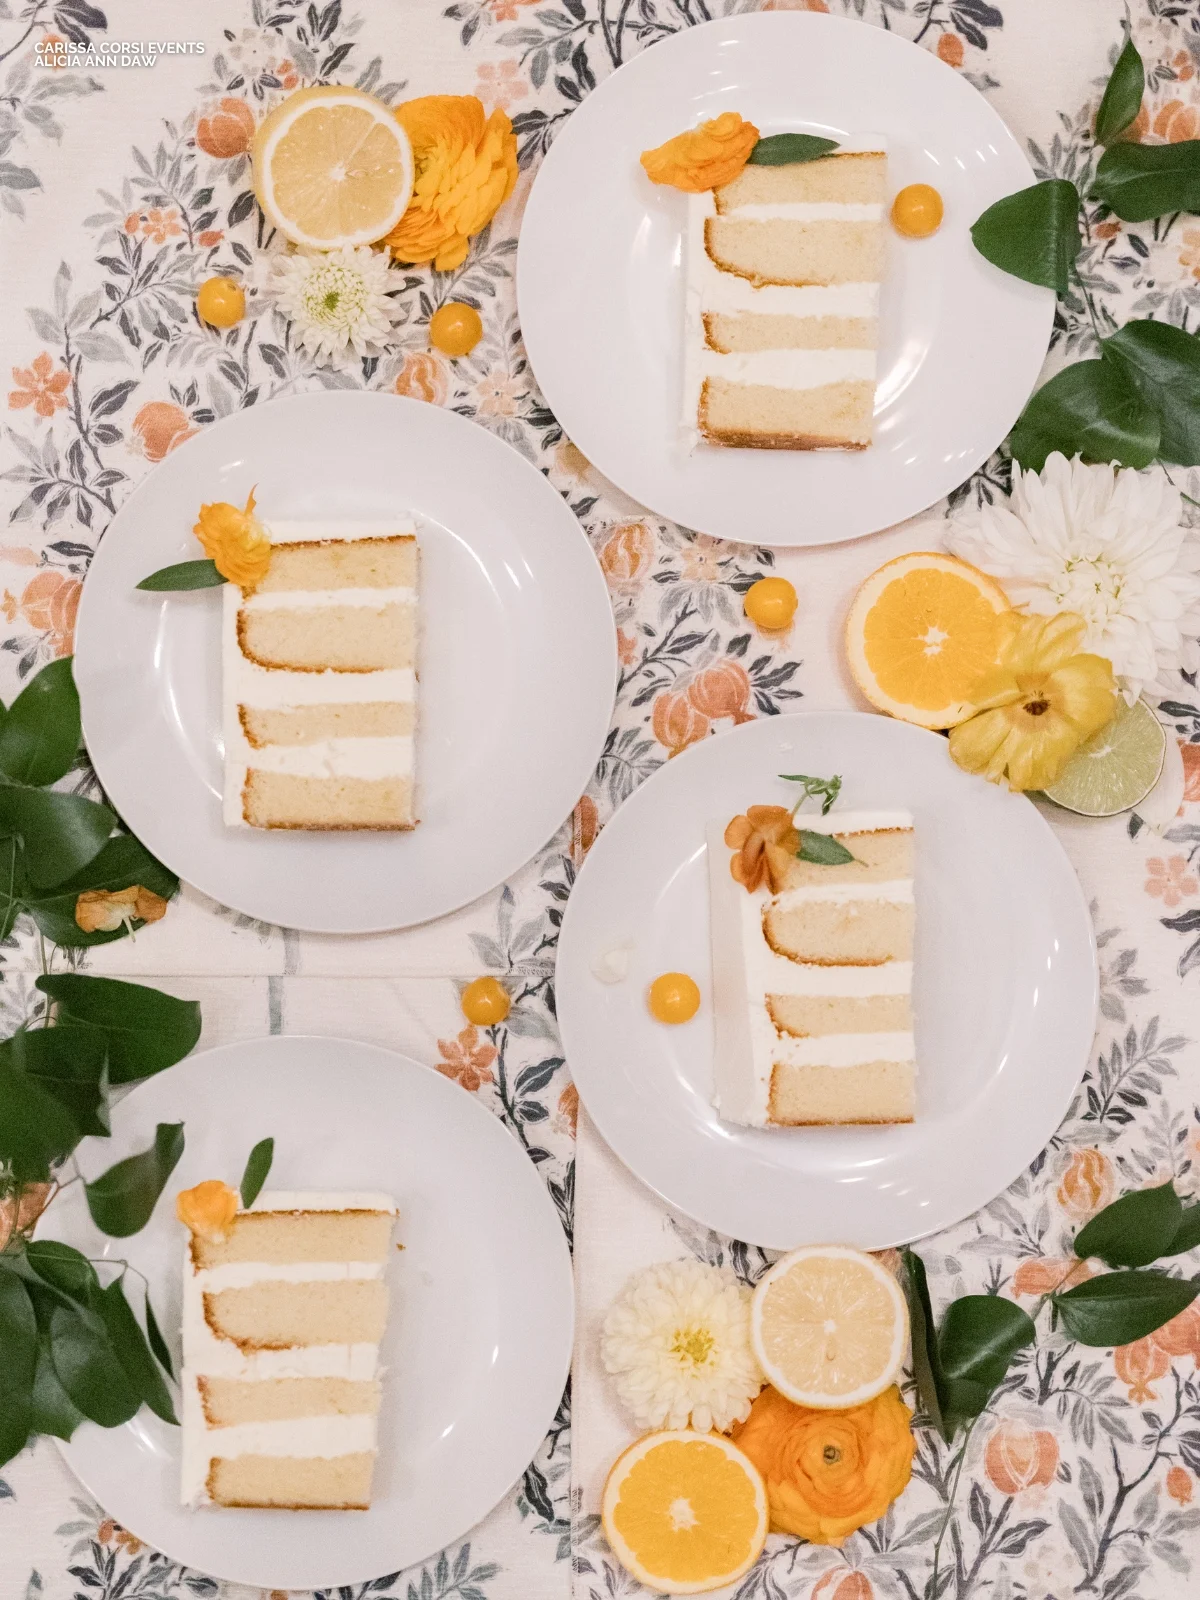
[704, 158]
[1037, 706]
[106, 910]
[466, 168]
[208, 1209]
[235, 541]
[764, 841]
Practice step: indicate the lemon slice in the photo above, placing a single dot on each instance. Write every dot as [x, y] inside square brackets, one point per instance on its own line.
[920, 632]
[685, 1512]
[1116, 767]
[829, 1326]
[332, 167]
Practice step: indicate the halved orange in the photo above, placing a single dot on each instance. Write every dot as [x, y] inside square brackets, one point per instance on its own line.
[921, 631]
[685, 1512]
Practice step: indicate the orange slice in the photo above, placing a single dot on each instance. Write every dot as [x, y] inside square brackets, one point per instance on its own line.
[685, 1512]
[332, 168]
[921, 631]
[829, 1326]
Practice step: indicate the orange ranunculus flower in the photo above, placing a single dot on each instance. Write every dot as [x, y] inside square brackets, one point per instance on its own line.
[1087, 1184]
[765, 840]
[1138, 1365]
[422, 377]
[106, 910]
[235, 540]
[722, 690]
[828, 1472]
[49, 602]
[208, 1209]
[676, 721]
[705, 157]
[465, 169]
[1176, 121]
[626, 553]
[1179, 1484]
[227, 129]
[1019, 1458]
[159, 426]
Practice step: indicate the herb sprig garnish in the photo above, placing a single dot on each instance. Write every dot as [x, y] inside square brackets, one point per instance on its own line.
[820, 848]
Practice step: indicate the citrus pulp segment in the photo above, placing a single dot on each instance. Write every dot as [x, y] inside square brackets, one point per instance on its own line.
[1115, 768]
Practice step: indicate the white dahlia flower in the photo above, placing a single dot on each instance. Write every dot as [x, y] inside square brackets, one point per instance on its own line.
[337, 301]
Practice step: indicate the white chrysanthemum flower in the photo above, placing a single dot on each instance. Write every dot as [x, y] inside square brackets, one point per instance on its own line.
[677, 1340]
[337, 301]
[1105, 542]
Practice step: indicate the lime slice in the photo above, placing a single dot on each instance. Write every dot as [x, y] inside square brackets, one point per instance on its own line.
[1116, 768]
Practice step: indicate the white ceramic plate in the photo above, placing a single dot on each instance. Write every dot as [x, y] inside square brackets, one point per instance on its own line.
[478, 1342]
[517, 666]
[1005, 991]
[600, 283]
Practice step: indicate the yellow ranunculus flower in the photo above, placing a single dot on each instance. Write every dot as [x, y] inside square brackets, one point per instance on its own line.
[208, 1209]
[235, 541]
[705, 157]
[1037, 705]
[465, 169]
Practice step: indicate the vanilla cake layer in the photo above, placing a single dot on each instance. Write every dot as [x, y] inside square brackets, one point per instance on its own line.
[783, 272]
[319, 667]
[812, 985]
[281, 1326]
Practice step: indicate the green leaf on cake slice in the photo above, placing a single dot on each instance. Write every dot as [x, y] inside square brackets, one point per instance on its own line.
[826, 790]
[184, 575]
[1033, 234]
[790, 149]
[258, 1165]
[822, 849]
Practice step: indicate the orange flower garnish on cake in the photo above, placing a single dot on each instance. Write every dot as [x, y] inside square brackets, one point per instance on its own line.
[828, 1473]
[466, 168]
[704, 158]
[765, 842]
[235, 541]
[208, 1209]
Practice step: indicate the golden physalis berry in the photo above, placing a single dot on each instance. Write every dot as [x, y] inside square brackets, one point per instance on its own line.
[771, 603]
[235, 541]
[485, 1002]
[673, 997]
[221, 302]
[208, 1209]
[917, 211]
[455, 329]
[705, 158]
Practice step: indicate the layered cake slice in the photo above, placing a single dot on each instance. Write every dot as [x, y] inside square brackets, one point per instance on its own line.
[283, 1311]
[812, 979]
[784, 266]
[319, 665]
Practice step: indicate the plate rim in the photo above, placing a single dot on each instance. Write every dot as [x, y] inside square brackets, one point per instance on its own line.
[556, 155]
[86, 625]
[560, 1249]
[1079, 908]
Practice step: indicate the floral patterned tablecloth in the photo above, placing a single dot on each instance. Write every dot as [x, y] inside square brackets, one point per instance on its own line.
[122, 186]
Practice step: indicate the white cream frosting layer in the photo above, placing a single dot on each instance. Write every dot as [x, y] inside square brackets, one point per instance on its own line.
[386, 757]
[309, 599]
[323, 1200]
[850, 822]
[306, 532]
[788, 369]
[844, 1049]
[840, 894]
[807, 211]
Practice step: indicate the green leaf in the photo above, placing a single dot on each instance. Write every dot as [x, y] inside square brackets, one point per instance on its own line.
[822, 848]
[1087, 409]
[826, 790]
[927, 1369]
[1122, 95]
[1162, 363]
[258, 1165]
[1121, 1307]
[18, 1362]
[979, 1336]
[185, 575]
[13, 885]
[121, 1200]
[71, 1064]
[87, 1366]
[1134, 1230]
[1033, 234]
[1187, 1235]
[144, 1029]
[1140, 181]
[36, 1129]
[61, 832]
[122, 862]
[789, 149]
[39, 738]
[53, 1410]
[64, 1268]
[133, 1352]
[157, 1343]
